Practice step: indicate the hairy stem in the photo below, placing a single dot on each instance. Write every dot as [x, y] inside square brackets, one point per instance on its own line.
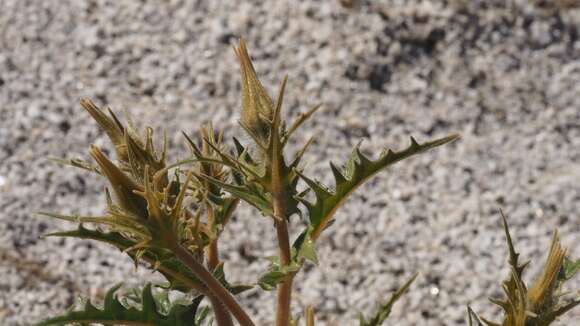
[213, 285]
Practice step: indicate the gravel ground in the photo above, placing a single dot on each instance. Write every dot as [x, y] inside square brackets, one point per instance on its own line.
[506, 78]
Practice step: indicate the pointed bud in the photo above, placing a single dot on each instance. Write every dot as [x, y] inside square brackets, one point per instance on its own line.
[257, 106]
[541, 294]
[122, 185]
[110, 125]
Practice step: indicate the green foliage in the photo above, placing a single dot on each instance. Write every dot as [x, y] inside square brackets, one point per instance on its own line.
[539, 304]
[264, 179]
[151, 311]
[169, 217]
[177, 274]
[385, 310]
[357, 171]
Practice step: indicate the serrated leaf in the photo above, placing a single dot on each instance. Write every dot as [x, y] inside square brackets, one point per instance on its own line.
[385, 310]
[115, 313]
[358, 170]
[118, 222]
[179, 276]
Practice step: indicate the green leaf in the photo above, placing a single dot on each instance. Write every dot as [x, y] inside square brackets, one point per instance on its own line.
[304, 247]
[385, 310]
[115, 313]
[118, 222]
[220, 275]
[251, 196]
[276, 275]
[571, 268]
[178, 275]
[358, 170]
[201, 316]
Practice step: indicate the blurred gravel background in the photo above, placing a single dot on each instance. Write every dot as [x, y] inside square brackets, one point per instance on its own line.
[507, 77]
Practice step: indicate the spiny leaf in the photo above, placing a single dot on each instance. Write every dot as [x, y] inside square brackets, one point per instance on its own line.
[385, 310]
[276, 274]
[250, 171]
[300, 154]
[242, 151]
[513, 255]
[250, 196]
[299, 121]
[116, 222]
[358, 170]
[559, 311]
[541, 304]
[473, 317]
[225, 209]
[219, 274]
[115, 313]
[139, 158]
[179, 276]
[77, 163]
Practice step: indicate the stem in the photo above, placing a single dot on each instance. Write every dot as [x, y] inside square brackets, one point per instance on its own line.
[221, 313]
[212, 249]
[285, 288]
[213, 285]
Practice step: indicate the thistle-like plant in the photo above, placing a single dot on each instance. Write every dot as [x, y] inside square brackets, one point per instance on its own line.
[540, 304]
[169, 217]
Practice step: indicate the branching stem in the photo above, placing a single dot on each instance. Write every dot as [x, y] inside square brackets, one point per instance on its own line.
[213, 285]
